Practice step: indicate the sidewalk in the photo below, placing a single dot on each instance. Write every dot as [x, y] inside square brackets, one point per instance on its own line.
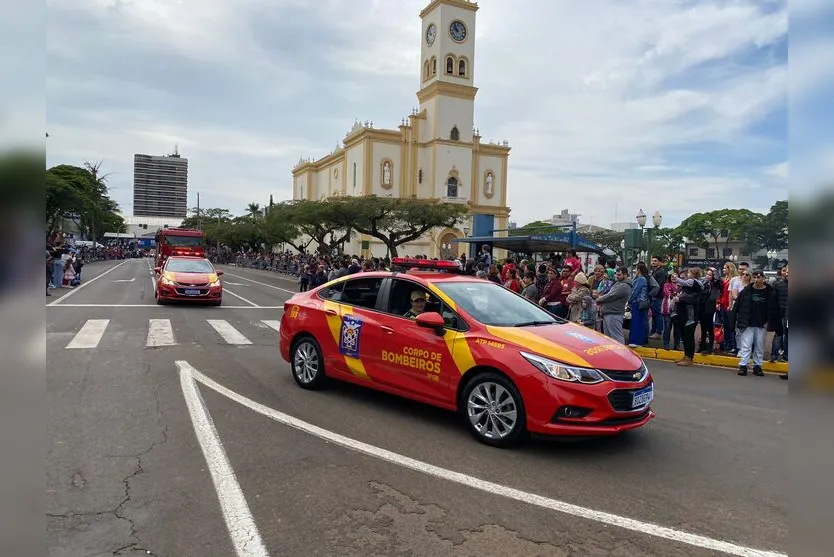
[654, 350]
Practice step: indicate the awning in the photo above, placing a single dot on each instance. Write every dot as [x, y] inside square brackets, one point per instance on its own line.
[537, 243]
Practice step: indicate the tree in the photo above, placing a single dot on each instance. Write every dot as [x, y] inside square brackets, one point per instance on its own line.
[610, 240]
[280, 227]
[81, 195]
[771, 232]
[395, 221]
[536, 227]
[723, 224]
[324, 222]
[214, 222]
[668, 242]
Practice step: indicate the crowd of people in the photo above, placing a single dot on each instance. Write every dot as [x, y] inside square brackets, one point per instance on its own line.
[733, 309]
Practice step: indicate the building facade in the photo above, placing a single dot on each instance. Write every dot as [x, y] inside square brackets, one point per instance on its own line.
[435, 153]
[160, 186]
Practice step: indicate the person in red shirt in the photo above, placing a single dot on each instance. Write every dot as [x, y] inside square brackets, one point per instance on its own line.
[572, 261]
[556, 292]
[512, 282]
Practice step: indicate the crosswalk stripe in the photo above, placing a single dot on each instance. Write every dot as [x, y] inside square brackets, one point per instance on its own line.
[160, 333]
[90, 334]
[272, 324]
[229, 333]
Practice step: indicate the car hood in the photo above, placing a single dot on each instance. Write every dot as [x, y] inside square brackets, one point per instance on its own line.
[192, 278]
[571, 344]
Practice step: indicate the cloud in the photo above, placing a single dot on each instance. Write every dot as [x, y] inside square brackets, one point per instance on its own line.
[681, 103]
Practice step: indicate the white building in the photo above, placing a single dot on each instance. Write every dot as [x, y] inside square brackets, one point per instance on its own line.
[623, 226]
[435, 153]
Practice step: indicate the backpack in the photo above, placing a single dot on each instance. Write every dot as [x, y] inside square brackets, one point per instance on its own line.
[654, 288]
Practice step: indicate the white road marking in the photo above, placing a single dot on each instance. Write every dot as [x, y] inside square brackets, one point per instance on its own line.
[239, 520]
[227, 291]
[157, 306]
[229, 333]
[272, 324]
[90, 334]
[233, 283]
[160, 333]
[261, 283]
[610, 519]
[86, 283]
[124, 280]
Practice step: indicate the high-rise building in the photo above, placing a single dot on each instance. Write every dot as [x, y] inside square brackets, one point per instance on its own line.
[160, 185]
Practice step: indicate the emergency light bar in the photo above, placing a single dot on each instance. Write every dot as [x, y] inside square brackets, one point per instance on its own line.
[414, 263]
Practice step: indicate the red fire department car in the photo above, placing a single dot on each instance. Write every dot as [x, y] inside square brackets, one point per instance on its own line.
[469, 345]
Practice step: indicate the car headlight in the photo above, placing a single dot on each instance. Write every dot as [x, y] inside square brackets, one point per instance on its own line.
[167, 281]
[557, 370]
[215, 283]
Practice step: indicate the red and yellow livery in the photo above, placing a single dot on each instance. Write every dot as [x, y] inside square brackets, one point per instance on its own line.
[468, 345]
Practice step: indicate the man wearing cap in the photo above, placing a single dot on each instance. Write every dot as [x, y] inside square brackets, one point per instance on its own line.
[418, 304]
[757, 310]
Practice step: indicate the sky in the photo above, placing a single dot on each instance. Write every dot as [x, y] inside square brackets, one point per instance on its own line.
[677, 106]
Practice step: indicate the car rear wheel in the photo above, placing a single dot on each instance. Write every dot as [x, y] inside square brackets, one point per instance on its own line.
[308, 364]
[493, 410]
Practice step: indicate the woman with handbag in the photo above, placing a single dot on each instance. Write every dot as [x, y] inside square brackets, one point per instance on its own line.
[638, 302]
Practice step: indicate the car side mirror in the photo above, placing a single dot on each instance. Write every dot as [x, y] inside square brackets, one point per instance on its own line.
[218, 273]
[432, 320]
[157, 270]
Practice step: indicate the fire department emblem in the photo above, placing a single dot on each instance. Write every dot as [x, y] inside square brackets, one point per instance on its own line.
[349, 336]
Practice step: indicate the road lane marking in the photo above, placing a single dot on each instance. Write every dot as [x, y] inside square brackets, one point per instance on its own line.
[86, 283]
[160, 333]
[261, 283]
[90, 334]
[124, 280]
[229, 333]
[272, 324]
[239, 297]
[610, 519]
[233, 283]
[239, 520]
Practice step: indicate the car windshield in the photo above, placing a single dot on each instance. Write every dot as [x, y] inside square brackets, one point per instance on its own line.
[189, 266]
[492, 304]
[183, 241]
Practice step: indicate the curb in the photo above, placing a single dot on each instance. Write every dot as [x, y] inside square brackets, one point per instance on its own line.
[706, 360]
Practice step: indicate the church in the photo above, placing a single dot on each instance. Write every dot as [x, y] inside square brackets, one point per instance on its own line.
[435, 153]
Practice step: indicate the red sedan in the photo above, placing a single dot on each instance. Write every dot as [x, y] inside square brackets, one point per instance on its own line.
[188, 279]
[467, 345]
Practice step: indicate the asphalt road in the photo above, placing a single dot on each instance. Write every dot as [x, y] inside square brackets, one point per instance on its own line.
[130, 469]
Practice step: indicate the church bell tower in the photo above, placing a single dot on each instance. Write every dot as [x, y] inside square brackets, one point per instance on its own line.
[447, 79]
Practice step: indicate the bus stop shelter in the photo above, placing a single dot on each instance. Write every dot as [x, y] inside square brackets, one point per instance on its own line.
[536, 243]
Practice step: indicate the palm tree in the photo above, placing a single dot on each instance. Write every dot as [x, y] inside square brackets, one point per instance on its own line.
[254, 210]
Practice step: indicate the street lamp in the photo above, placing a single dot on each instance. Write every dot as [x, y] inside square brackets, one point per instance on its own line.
[657, 219]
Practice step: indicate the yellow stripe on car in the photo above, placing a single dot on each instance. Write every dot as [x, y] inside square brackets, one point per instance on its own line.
[534, 343]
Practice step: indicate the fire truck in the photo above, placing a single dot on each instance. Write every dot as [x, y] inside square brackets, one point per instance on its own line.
[179, 241]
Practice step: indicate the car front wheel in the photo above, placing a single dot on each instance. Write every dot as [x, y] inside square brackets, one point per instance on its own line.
[308, 364]
[494, 411]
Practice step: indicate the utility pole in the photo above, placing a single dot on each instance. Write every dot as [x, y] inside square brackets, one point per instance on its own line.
[199, 221]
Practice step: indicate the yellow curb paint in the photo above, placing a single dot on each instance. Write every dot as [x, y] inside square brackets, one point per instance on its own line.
[701, 359]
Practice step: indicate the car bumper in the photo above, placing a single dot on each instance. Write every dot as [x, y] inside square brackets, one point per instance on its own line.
[177, 292]
[598, 410]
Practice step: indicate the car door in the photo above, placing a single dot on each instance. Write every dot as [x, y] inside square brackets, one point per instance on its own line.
[358, 333]
[416, 359]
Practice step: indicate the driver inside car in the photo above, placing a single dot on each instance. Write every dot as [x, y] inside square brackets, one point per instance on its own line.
[418, 304]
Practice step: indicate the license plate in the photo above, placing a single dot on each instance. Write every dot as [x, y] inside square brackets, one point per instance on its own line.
[642, 397]
[192, 292]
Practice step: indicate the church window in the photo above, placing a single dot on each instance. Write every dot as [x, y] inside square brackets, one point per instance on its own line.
[433, 65]
[426, 70]
[354, 175]
[455, 135]
[450, 65]
[462, 68]
[452, 187]
[420, 176]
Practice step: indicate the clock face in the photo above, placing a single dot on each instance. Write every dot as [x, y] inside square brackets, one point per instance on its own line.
[431, 33]
[458, 31]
